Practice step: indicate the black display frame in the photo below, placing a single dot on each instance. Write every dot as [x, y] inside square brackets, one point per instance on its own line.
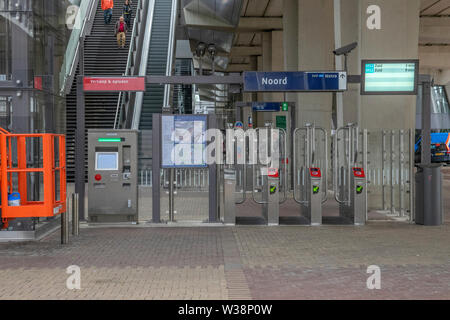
[389, 93]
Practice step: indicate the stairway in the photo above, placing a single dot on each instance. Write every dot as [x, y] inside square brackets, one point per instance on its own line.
[102, 57]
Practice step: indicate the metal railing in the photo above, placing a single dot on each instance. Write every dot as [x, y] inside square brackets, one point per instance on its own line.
[185, 178]
[83, 26]
[390, 172]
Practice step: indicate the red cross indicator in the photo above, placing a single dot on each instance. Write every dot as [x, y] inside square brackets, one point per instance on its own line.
[359, 173]
[315, 172]
[273, 173]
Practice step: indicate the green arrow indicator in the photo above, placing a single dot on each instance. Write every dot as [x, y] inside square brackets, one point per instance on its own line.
[273, 189]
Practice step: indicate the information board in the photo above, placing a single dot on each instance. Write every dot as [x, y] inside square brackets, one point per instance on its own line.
[183, 141]
[389, 77]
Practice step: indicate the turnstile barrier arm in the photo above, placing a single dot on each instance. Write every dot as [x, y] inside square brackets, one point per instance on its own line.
[325, 196]
[294, 151]
[244, 184]
[254, 176]
[335, 167]
[285, 173]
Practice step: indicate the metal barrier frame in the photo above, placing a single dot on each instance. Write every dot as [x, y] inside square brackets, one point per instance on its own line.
[49, 207]
[284, 165]
[309, 161]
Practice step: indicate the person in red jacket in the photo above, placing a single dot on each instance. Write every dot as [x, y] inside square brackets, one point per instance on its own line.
[121, 29]
[107, 7]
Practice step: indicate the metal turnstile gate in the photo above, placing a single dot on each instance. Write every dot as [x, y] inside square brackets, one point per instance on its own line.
[349, 178]
[311, 171]
[265, 152]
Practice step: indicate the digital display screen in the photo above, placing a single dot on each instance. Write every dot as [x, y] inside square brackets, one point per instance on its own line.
[389, 77]
[184, 141]
[106, 161]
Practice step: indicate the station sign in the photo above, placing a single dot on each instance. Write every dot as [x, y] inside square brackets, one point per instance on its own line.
[114, 84]
[301, 81]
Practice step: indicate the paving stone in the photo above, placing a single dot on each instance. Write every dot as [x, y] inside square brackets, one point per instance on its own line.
[244, 262]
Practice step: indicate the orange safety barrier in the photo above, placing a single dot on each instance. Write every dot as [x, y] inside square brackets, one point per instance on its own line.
[48, 165]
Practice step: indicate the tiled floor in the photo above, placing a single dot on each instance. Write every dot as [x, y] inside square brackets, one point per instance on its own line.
[244, 262]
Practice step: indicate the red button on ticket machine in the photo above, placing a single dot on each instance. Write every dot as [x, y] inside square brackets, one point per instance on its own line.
[359, 173]
[315, 172]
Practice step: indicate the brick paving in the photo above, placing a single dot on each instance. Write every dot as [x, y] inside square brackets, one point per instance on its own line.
[244, 262]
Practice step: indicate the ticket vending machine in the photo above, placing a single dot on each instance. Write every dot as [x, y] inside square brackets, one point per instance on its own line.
[113, 176]
[355, 208]
[312, 207]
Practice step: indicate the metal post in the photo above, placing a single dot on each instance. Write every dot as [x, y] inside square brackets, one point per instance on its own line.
[426, 122]
[392, 173]
[75, 215]
[383, 158]
[156, 169]
[411, 176]
[65, 227]
[366, 166]
[213, 180]
[80, 143]
[171, 195]
[400, 173]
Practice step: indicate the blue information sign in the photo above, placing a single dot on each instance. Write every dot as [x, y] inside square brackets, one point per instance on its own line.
[266, 106]
[301, 81]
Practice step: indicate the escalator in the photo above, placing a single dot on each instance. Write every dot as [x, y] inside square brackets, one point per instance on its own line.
[101, 58]
[157, 61]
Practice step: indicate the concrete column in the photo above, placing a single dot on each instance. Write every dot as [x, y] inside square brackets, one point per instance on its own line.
[266, 58]
[397, 39]
[350, 32]
[277, 60]
[315, 46]
[290, 40]
[250, 96]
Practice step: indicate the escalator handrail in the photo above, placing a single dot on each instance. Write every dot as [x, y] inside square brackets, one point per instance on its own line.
[143, 65]
[170, 50]
[120, 103]
[85, 29]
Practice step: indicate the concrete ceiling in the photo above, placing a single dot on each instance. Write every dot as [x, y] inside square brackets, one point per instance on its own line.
[262, 15]
[434, 39]
[239, 38]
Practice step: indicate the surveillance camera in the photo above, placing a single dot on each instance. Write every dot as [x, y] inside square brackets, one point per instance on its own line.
[212, 49]
[345, 50]
[201, 49]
